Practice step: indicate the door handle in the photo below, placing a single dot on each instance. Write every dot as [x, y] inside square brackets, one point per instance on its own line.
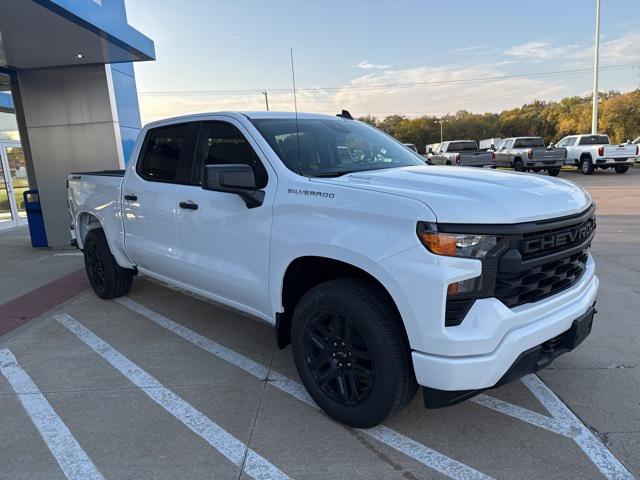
[189, 205]
[131, 197]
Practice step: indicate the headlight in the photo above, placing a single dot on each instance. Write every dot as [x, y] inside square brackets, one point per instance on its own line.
[455, 244]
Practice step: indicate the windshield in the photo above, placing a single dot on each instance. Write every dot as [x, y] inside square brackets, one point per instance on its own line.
[594, 140]
[331, 147]
[462, 146]
[529, 142]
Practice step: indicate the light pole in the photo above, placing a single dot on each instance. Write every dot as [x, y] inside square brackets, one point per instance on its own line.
[596, 61]
[266, 99]
[440, 122]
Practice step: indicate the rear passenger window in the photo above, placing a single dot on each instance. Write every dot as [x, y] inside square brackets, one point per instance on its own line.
[162, 152]
[222, 144]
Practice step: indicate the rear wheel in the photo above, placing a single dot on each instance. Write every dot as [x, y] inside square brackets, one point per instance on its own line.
[107, 278]
[351, 352]
[553, 171]
[586, 166]
[518, 166]
[622, 168]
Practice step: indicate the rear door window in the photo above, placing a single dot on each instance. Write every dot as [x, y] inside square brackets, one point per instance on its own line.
[162, 150]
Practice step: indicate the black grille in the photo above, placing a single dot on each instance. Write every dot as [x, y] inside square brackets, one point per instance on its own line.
[544, 239]
[536, 283]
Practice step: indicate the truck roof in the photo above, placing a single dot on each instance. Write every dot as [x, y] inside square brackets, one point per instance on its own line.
[239, 114]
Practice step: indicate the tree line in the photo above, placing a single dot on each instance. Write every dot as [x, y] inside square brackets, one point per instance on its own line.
[619, 117]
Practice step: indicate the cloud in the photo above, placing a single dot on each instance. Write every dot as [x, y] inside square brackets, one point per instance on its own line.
[538, 51]
[469, 49]
[368, 66]
[444, 89]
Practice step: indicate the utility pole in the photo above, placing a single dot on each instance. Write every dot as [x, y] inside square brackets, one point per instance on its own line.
[266, 98]
[596, 61]
[441, 122]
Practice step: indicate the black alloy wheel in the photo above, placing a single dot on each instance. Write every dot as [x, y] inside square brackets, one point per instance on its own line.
[339, 358]
[94, 265]
[351, 351]
[107, 278]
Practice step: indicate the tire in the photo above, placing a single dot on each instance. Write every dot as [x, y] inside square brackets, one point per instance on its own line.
[107, 278]
[518, 166]
[553, 171]
[351, 352]
[622, 168]
[586, 166]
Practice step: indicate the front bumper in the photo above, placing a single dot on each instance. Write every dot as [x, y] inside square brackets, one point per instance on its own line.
[534, 359]
[495, 336]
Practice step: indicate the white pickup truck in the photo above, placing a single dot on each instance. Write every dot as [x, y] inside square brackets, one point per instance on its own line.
[383, 273]
[588, 152]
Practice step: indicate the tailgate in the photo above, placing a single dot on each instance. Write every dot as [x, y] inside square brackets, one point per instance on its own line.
[620, 151]
[476, 158]
[549, 155]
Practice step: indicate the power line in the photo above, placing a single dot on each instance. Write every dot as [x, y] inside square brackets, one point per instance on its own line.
[473, 80]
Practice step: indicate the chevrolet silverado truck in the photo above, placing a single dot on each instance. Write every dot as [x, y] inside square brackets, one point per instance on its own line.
[529, 153]
[383, 274]
[588, 152]
[463, 153]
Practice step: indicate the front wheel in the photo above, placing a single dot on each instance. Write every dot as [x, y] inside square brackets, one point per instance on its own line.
[351, 353]
[586, 166]
[622, 168]
[107, 278]
[553, 171]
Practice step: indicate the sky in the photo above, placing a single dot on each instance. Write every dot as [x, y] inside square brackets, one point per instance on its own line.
[379, 58]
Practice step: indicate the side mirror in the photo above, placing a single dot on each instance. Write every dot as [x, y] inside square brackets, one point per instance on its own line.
[238, 179]
[430, 152]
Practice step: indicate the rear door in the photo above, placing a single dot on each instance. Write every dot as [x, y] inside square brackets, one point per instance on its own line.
[502, 153]
[224, 245]
[149, 205]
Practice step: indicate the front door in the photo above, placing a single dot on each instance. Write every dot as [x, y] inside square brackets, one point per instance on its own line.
[224, 245]
[13, 183]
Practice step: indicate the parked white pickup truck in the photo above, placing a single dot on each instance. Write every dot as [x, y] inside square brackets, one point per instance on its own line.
[383, 273]
[588, 152]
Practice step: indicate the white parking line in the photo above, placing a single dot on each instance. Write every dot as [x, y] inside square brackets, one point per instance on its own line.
[73, 460]
[606, 462]
[421, 453]
[229, 446]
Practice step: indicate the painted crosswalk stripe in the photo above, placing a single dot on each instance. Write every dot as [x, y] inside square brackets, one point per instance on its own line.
[73, 460]
[229, 446]
[421, 453]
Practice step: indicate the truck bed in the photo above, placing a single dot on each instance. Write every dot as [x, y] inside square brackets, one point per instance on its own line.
[102, 173]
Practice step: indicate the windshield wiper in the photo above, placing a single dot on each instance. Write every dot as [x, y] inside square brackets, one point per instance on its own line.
[338, 173]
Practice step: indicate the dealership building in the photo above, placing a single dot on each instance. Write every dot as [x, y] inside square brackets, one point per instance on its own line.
[68, 100]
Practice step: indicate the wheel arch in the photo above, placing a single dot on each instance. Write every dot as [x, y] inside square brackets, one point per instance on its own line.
[87, 221]
[306, 272]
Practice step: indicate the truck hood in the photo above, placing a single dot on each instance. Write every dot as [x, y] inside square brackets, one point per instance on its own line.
[474, 195]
